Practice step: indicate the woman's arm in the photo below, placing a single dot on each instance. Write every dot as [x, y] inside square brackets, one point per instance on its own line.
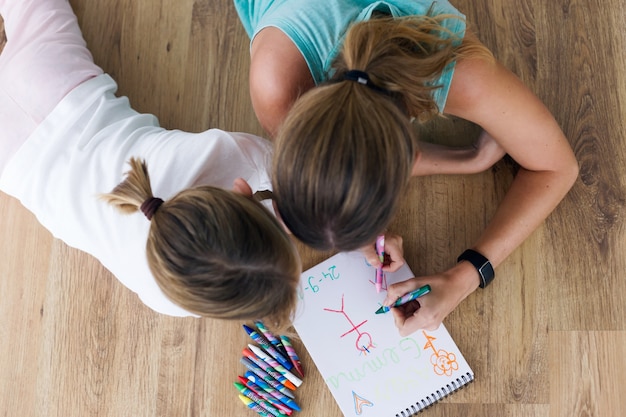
[488, 94]
[278, 76]
[491, 96]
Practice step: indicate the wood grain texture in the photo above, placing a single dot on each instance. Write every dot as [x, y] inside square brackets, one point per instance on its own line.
[545, 340]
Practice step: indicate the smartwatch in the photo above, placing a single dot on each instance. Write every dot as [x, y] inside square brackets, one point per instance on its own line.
[482, 265]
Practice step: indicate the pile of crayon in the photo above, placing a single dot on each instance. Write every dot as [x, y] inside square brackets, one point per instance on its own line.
[270, 381]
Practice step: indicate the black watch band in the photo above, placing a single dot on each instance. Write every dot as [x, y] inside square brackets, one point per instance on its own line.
[482, 265]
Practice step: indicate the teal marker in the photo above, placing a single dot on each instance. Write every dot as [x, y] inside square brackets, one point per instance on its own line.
[405, 299]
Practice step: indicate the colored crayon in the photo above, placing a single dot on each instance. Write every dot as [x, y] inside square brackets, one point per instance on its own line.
[380, 251]
[270, 336]
[268, 347]
[265, 376]
[289, 402]
[405, 299]
[267, 368]
[272, 362]
[292, 355]
[254, 406]
[265, 395]
[260, 401]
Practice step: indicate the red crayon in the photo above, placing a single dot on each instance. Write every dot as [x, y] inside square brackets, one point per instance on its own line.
[295, 360]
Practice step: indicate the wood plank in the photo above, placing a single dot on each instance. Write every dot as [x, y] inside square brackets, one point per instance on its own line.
[588, 373]
[546, 339]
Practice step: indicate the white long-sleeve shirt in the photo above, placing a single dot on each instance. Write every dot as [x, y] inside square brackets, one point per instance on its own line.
[81, 150]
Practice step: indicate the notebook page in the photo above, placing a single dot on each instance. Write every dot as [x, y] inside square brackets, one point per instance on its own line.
[369, 368]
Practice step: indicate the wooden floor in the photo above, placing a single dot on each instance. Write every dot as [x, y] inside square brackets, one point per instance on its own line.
[548, 338]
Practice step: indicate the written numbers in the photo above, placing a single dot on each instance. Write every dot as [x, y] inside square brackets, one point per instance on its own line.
[314, 282]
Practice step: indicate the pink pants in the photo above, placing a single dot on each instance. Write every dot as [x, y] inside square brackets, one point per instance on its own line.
[45, 57]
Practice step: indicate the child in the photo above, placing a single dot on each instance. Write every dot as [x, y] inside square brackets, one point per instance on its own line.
[65, 141]
[358, 71]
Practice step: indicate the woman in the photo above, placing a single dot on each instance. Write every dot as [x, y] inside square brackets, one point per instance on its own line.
[358, 72]
[66, 139]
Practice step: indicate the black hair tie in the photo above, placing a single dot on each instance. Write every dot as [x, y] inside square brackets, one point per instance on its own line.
[150, 206]
[363, 77]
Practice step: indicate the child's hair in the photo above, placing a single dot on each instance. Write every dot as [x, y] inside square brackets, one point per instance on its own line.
[345, 152]
[214, 252]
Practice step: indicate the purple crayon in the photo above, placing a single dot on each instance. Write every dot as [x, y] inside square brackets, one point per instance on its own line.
[289, 402]
[266, 377]
[254, 406]
[267, 368]
[268, 347]
[260, 401]
[292, 355]
[265, 395]
[270, 336]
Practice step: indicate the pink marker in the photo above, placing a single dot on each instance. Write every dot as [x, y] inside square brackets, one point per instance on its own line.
[380, 250]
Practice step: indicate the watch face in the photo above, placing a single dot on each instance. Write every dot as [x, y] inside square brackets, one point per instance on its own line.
[486, 274]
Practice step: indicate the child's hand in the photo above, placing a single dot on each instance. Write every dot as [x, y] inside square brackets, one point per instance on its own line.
[394, 253]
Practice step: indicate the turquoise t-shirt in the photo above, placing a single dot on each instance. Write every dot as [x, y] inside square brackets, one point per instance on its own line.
[317, 27]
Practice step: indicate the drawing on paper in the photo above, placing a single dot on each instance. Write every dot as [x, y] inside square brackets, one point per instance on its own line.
[363, 341]
[444, 363]
[359, 403]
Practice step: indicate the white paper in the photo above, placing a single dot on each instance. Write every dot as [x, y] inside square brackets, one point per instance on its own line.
[369, 368]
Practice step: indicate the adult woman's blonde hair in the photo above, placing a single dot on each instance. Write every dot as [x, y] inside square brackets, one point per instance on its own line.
[216, 253]
[345, 152]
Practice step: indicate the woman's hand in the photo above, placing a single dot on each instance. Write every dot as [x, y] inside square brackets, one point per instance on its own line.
[487, 152]
[439, 159]
[394, 253]
[447, 290]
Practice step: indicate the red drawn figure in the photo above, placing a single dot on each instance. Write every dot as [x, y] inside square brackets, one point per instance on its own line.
[359, 403]
[364, 340]
[444, 363]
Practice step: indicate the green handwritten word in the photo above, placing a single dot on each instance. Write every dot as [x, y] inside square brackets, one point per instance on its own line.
[406, 351]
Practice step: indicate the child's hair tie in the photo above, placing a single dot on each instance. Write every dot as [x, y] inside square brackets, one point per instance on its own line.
[150, 206]
[363, 77]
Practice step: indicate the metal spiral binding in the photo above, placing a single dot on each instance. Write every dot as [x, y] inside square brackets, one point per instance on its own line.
[437, 395]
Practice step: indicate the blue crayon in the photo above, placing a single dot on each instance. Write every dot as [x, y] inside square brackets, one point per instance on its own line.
[289, 402]
[268, 347]
[266, 377]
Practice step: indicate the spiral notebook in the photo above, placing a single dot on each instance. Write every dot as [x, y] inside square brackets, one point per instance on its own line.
[369, 368]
